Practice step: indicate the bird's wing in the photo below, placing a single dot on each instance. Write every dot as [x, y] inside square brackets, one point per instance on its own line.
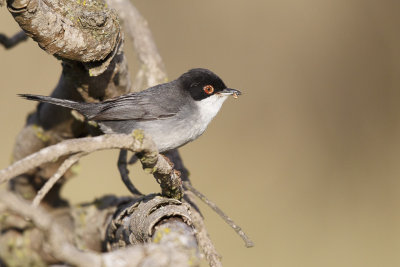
[145, 105]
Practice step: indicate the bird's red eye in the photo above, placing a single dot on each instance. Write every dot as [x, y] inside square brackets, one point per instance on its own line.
[208, 89]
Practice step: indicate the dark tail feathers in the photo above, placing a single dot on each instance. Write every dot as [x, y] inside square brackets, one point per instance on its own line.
[87, 109]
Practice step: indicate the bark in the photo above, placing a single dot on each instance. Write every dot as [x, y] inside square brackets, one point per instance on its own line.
[170, 238]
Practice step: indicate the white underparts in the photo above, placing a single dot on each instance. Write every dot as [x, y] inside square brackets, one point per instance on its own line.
[209, 107]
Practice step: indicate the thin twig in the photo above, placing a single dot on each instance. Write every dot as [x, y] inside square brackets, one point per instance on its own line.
[10, 42]
[229, 221]
[205, 243]
[56, 176]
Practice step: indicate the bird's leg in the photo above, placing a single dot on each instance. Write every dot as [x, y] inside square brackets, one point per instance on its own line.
[133, 159]
[9, 42]
[124, 172]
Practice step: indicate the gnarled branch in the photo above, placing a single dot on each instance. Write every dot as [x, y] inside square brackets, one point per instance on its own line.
[136, 142]
[173, 243]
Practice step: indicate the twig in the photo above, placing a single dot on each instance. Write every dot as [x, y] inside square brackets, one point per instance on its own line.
[56, 176]
[229, 221]
[205, 243]
[10, 42]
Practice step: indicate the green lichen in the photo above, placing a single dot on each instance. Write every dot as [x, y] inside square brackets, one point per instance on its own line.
[78, 116]
[93, 123]
[148, 162]
[138, 134]
[150, 170]
[18, 252]
[160, 234]
[194, 259]
[40, 133]
[28, 194]
[82, 218]
[157, 238]
[75, 169]
[3, 217]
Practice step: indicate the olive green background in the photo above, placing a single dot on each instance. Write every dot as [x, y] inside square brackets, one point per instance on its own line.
[306, 160]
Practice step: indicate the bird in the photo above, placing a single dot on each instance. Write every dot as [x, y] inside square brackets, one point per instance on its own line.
[173, 113]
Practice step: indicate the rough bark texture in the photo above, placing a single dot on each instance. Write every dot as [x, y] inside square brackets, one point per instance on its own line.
[84, 31]
[172, 238]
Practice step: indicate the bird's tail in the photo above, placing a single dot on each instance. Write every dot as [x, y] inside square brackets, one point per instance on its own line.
[86, 109]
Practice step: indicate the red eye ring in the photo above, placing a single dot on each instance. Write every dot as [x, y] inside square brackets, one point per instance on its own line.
[208, 89]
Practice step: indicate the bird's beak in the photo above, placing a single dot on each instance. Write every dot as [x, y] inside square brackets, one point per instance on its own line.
[229, 91]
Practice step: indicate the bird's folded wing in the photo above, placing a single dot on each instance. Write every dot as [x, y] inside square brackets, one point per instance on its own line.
[140, 106]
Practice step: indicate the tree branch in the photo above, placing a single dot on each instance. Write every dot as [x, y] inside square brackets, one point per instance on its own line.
[136, 142]
[53, 179]
[205, 243]
[143, 41]
[165, 251]
[73, 30]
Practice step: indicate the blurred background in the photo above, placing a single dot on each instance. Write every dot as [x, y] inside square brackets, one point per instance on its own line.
[306, 160]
